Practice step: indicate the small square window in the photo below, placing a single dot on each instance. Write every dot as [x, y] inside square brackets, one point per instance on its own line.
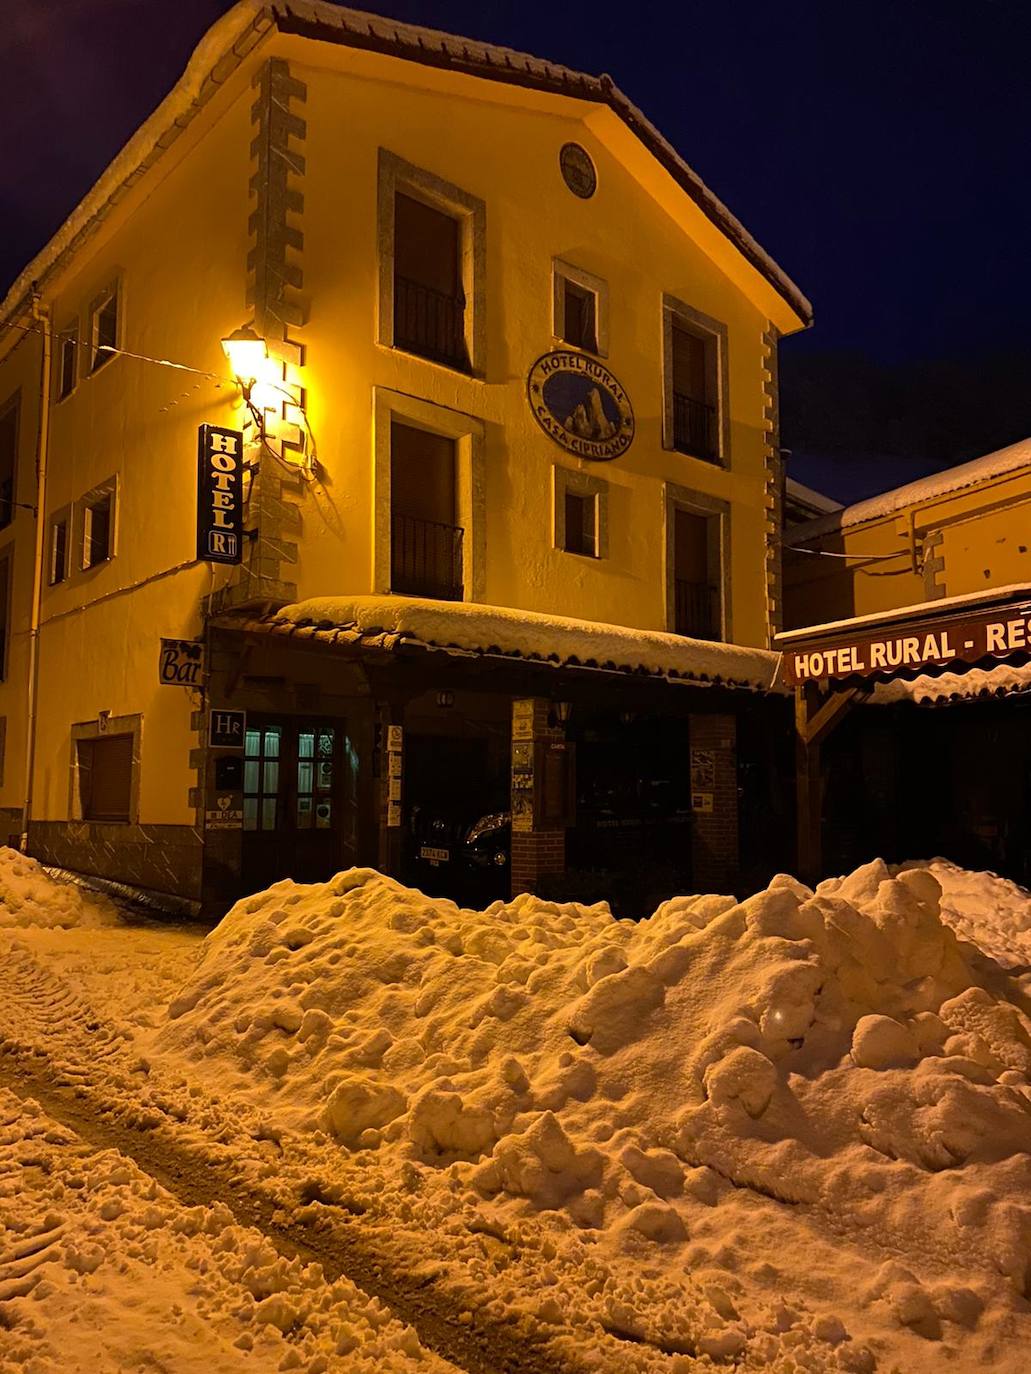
[67, 361]
[58, 551]
[581, 526]
[97, 529]
[105, 329]
[579, 316]
[580, 308]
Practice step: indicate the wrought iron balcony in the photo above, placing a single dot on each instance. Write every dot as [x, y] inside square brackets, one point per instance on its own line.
[694, 427]
[426, 558]
[430, 323]
[696, 609]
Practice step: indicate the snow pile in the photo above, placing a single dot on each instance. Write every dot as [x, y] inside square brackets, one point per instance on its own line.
[834, 1052]
[990, 912]
[30, 897]
[101, 1269]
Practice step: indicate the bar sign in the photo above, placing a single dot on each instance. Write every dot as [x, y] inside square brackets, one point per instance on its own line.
[219, 494]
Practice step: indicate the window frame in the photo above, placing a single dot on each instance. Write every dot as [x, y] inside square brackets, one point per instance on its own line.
[397, 175]
[6, 607]
[68, 335]
[714, 334]
[563, 271]
[63, 516]
[101, 728]
[580, 484]
[112, 291]
[717, 513]
[469, 433]
[13, 404]
[106, 489]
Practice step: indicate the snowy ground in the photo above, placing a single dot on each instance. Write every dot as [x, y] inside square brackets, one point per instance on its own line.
[788, 1134]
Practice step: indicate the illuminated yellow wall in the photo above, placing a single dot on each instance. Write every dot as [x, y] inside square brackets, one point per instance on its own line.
[177, 244]
[947, 545]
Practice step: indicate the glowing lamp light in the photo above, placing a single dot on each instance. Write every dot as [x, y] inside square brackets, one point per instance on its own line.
[247, 353]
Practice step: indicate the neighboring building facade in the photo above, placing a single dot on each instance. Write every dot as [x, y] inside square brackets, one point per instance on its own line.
[919, 602]
[520, 357]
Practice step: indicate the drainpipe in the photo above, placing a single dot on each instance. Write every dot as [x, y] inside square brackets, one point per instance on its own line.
[41, 315]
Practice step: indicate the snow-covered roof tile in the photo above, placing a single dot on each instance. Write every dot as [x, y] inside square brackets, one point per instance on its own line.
[888, 503]
[462, 627]
[977, 684]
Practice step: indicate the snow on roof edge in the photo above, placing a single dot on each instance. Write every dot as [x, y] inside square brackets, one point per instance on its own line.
[189, 94]
[468, 627]
[1014, 591]
[995, 464]
[976, 684]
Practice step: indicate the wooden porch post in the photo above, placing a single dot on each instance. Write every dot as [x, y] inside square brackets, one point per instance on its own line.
[814, 721]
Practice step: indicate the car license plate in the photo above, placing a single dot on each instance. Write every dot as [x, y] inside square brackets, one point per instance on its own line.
[435, 856]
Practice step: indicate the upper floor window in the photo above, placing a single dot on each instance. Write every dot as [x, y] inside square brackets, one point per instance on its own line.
[98, 525]
[104, 327]
[5, 609]
[432, 267]
[579, 308]
[694, 381]
[697, 563]
[8, 458]
[581, 513]
[67, 361]
[59, 549]
[425, 537]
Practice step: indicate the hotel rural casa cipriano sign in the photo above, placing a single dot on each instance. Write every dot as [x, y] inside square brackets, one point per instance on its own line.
[219, 494]
[578, 402]
[933, 644]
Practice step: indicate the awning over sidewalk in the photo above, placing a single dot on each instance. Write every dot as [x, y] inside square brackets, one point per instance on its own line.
[399, 623]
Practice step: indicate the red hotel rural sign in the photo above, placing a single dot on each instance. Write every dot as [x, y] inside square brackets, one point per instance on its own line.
[994, 633]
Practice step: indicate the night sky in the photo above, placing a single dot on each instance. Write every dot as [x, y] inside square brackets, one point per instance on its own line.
[879, 151]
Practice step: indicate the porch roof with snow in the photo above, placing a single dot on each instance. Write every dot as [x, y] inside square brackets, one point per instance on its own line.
[399, 624]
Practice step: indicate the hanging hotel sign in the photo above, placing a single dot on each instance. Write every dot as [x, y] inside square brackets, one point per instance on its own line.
[578, 402]
[227, 729]
[181, 663]
[991, 634]
[219, 494]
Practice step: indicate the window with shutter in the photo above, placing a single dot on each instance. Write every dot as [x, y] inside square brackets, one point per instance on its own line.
[105, 777]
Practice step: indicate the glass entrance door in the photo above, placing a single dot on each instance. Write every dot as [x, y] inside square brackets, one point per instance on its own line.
[292, 789]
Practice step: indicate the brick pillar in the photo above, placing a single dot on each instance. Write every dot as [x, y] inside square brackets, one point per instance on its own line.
[714, 828]
[536, 850]
[389, 790]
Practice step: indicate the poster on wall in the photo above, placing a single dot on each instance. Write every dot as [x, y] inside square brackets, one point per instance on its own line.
[219, 494]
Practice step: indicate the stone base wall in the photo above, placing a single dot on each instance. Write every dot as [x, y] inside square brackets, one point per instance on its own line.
[162, 858]
[714, 833]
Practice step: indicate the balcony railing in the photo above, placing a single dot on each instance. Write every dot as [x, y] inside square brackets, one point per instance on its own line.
[694, 427]
[430, 323]
[696, 610]
[426, 558]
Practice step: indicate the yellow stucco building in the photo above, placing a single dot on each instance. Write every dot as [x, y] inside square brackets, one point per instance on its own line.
[521, 363]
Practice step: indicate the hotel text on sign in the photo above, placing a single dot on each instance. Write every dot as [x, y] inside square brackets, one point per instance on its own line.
[219, 494]
[994, 634]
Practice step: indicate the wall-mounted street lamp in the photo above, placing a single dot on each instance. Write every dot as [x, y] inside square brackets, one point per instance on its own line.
[248, 354]
[255, 371]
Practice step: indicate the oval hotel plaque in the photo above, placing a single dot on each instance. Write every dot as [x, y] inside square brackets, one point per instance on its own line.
[578, 402]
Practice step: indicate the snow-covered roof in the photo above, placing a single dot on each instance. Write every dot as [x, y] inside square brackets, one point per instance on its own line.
[802, 495]
[976, 684]
[465, 628]
[983, 469]
[235, 34]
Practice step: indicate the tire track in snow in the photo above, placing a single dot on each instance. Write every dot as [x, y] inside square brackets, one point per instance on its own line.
[54, 1049]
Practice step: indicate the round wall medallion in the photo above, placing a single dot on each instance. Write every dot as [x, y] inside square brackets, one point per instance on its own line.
[578, 170]
[578, 403]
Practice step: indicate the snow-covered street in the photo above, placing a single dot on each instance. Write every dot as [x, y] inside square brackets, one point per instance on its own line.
[355, 1127]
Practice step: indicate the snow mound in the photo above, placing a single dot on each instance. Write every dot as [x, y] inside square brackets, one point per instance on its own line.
[990, 912]
[30, 897]
[831, 1053]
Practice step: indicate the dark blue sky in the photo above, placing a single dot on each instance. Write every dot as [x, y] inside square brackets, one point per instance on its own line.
[878, 151]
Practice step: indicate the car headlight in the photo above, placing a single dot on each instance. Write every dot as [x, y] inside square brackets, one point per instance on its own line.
[496, 821]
